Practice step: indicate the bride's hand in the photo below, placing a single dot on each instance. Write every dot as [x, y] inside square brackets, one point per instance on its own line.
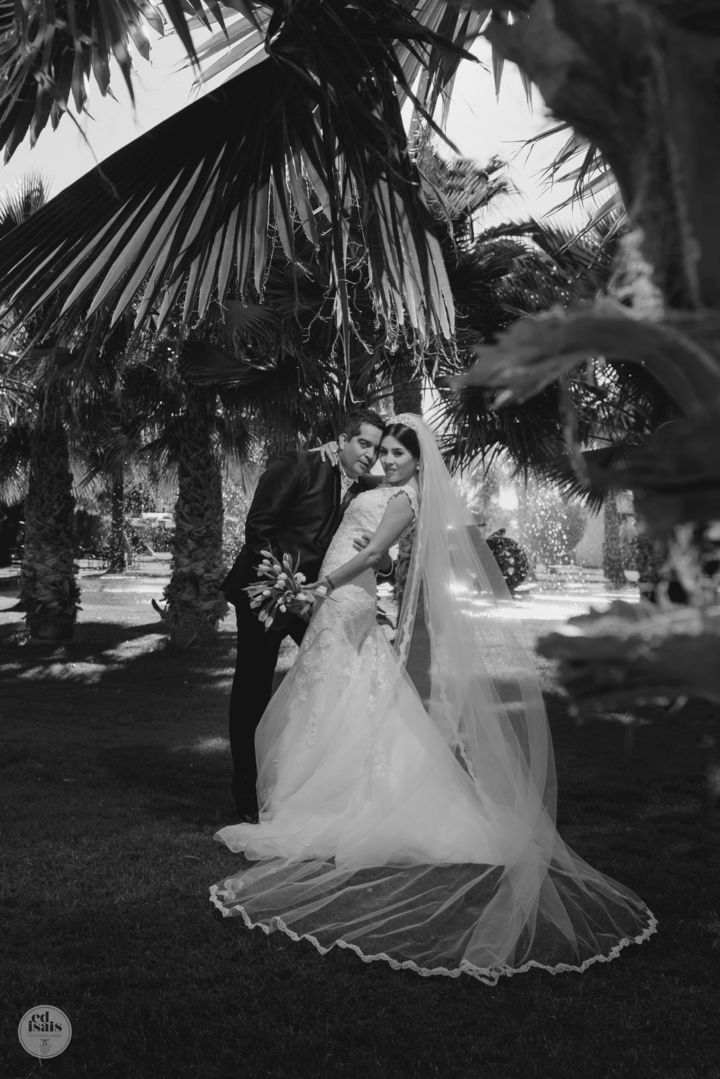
[306, 600]
[317, 590]
[328, 451]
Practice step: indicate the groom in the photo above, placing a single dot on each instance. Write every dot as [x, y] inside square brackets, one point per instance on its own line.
[298, 505]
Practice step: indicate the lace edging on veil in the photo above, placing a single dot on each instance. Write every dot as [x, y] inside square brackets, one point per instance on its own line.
[489, 976]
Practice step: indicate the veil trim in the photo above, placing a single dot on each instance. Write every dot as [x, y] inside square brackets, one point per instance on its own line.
[487, 975]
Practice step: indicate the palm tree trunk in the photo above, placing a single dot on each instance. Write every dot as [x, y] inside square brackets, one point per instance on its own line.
[48, 581]
[648, 563]
[526, 534]
[407, 383]
[117, 560]
[195, 603]
[612, 554]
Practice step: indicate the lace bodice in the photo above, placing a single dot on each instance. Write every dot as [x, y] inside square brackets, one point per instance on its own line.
[363, 515]
[345, 619]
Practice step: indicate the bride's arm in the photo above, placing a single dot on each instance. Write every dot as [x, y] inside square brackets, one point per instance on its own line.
[397, 517]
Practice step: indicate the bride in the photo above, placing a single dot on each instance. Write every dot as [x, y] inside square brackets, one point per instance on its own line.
[414, 822]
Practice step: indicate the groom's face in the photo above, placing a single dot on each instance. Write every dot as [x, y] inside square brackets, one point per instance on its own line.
[359, 453]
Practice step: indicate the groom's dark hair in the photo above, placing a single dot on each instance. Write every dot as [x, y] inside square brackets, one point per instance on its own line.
[353, 421]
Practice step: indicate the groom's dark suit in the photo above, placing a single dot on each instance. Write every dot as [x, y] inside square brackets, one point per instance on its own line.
[296, 510]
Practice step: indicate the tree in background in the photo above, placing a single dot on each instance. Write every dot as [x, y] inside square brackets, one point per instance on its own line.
[639, 82]
[194, 600]
[613, 561]
[181, 432]
[550, 525]
[49, 592]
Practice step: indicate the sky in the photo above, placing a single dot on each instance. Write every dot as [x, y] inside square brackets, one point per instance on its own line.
[483, 124]
[479, 123]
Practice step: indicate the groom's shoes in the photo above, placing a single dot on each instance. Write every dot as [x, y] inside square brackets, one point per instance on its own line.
[247, 811]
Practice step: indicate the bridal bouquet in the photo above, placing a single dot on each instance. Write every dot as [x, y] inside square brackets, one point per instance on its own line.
[281, 590]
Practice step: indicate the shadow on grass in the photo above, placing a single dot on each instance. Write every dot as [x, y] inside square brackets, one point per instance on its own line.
[188, 783]
[105, 651]
[114, 777]
[90, 639]
[120, 710]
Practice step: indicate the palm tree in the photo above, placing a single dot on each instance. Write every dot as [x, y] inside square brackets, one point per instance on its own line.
[509, 271]
[15, 404]
[668, 264]
[457, 192]
[637, 81]
[203, 410]
[194, 600]
[498, 275]
[105, 431]
[49, 592]
[611, 406]
[185, 209]
[36, 465]
[250, 378]
[48, 585]
[276, 358]
[634, 78]
[174, 428]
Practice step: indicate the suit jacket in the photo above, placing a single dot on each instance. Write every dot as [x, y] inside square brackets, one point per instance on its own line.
[295, 511]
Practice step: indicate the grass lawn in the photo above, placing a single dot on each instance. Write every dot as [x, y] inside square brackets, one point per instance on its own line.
[114, 776]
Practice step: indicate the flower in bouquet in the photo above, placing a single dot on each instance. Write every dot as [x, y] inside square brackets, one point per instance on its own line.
[281, 589]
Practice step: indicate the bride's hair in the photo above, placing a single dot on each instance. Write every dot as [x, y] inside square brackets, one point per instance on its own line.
[406, 436]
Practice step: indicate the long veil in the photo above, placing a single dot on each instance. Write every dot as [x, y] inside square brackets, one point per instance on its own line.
[547, 907]
[535, 902]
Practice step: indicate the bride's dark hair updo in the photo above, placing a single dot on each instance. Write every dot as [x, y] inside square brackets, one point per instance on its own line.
[405, 436]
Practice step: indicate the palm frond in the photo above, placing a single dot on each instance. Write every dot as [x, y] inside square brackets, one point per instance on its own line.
[13, 482]
[621, 411]
[237, 45]
[20, 202]
[458, 190]
[184, 209]
[202, 363]
[234, 439]
[471, 429]
[16, 397]
[627, 402]
[14, 456]
[559, 472]
[580, 162]
[520, 268]
[49, 51]
[429, 76]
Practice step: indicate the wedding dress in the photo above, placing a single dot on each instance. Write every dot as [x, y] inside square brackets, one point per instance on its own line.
[419, 829]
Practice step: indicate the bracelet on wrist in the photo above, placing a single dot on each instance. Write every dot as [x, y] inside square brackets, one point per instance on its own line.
[329, 582]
